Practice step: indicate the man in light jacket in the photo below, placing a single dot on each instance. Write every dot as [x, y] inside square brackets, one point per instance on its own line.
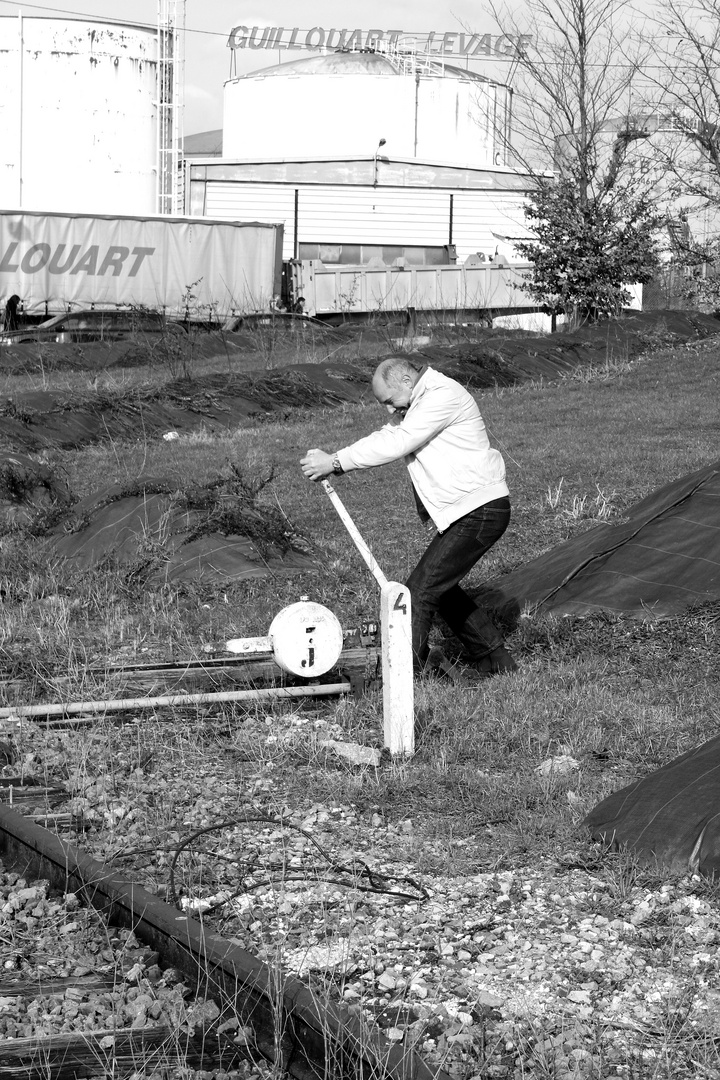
[459, 483]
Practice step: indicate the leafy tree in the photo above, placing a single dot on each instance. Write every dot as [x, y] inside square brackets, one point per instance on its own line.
[587, 249]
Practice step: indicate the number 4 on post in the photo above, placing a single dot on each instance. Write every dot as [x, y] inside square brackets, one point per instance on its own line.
[397, 667]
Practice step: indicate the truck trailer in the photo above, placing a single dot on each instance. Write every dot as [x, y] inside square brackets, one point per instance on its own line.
[474, 289]
[187, 268]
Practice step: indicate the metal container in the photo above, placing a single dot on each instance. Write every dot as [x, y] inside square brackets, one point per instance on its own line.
[78, 116]
[188, 268]
[307, 639]
[343, 104]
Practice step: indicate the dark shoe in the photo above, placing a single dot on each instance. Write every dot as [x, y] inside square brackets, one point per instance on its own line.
[438, 666]
[498, 662]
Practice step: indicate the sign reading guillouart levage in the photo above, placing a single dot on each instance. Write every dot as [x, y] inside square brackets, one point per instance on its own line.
[432, 43]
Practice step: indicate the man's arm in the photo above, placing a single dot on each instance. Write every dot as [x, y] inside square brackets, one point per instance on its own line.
[401, 436]
[431, 414]
[318, 464]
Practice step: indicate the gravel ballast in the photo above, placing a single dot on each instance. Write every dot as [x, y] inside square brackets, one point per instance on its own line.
[583, 966]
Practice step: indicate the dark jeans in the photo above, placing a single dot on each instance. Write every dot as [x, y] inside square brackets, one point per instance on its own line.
[434, 584]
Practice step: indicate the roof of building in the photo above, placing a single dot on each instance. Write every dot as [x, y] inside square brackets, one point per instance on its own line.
[396, 172]
[94, 19]
[365, 62]
[204, 144]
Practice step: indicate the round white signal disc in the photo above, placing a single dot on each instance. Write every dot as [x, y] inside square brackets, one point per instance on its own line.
[307, 639]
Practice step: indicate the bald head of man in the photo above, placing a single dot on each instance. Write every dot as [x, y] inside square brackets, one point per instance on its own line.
[393, 383]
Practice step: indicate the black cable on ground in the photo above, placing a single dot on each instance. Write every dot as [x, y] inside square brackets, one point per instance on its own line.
[370, 881]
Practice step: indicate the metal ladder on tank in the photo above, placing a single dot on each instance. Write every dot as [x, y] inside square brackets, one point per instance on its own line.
[405, 56]
[171, 54]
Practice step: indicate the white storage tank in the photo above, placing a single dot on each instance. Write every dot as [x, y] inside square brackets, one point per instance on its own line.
[78, 116]
[340, 104]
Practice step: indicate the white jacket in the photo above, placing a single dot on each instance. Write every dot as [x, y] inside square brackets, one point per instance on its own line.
[443, 440]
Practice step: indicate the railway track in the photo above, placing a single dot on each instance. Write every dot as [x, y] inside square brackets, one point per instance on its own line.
[195, 682]
[244, 1008]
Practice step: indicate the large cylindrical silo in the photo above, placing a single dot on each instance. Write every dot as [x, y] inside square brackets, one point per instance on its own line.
[340, 104]
[78, 113]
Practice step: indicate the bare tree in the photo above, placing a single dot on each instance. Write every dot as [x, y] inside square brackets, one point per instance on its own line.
[593, 224]
[682, 114]
[573, 87]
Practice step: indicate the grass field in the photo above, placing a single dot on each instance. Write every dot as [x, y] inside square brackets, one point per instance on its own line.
[620, 697]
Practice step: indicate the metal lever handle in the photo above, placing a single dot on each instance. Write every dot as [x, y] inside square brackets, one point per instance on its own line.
[357, 539]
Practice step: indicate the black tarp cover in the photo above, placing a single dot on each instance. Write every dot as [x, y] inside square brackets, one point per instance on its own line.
[148, 525]
[662, 559]
[671, 817]
[38, 419]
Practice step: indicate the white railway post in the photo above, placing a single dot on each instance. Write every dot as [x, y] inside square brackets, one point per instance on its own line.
[397, 656]
[397, 669]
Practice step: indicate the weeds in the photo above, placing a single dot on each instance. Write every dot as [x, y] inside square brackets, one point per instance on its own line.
[599, 507]
[469, 804]
[172, 350]
[610, 368]
[620, 696]
[553, 495]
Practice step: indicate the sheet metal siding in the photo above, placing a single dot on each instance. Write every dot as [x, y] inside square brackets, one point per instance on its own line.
[440, 288]
[85, 93]
[301, 115]
[370, 216]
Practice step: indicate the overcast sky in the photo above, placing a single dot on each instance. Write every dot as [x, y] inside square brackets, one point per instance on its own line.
[209, 22]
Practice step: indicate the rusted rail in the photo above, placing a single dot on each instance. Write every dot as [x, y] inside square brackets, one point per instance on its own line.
[229, 680]
[80, 708]
[308, 1037]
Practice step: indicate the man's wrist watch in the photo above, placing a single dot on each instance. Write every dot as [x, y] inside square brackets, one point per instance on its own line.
[336, 466]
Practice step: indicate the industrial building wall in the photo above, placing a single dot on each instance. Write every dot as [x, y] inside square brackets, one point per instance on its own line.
[78, 116]
[330, 214]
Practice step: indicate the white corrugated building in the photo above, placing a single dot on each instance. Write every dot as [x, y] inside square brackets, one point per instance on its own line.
[366, 156]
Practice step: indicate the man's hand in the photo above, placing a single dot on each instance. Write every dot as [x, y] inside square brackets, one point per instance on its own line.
[316, 464]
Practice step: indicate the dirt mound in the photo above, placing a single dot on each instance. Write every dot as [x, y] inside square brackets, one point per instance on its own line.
[216, 532]
[516, 357]
[670, 817]
[172, 353]
[42, 418]
[217, 402]
[662, 559]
